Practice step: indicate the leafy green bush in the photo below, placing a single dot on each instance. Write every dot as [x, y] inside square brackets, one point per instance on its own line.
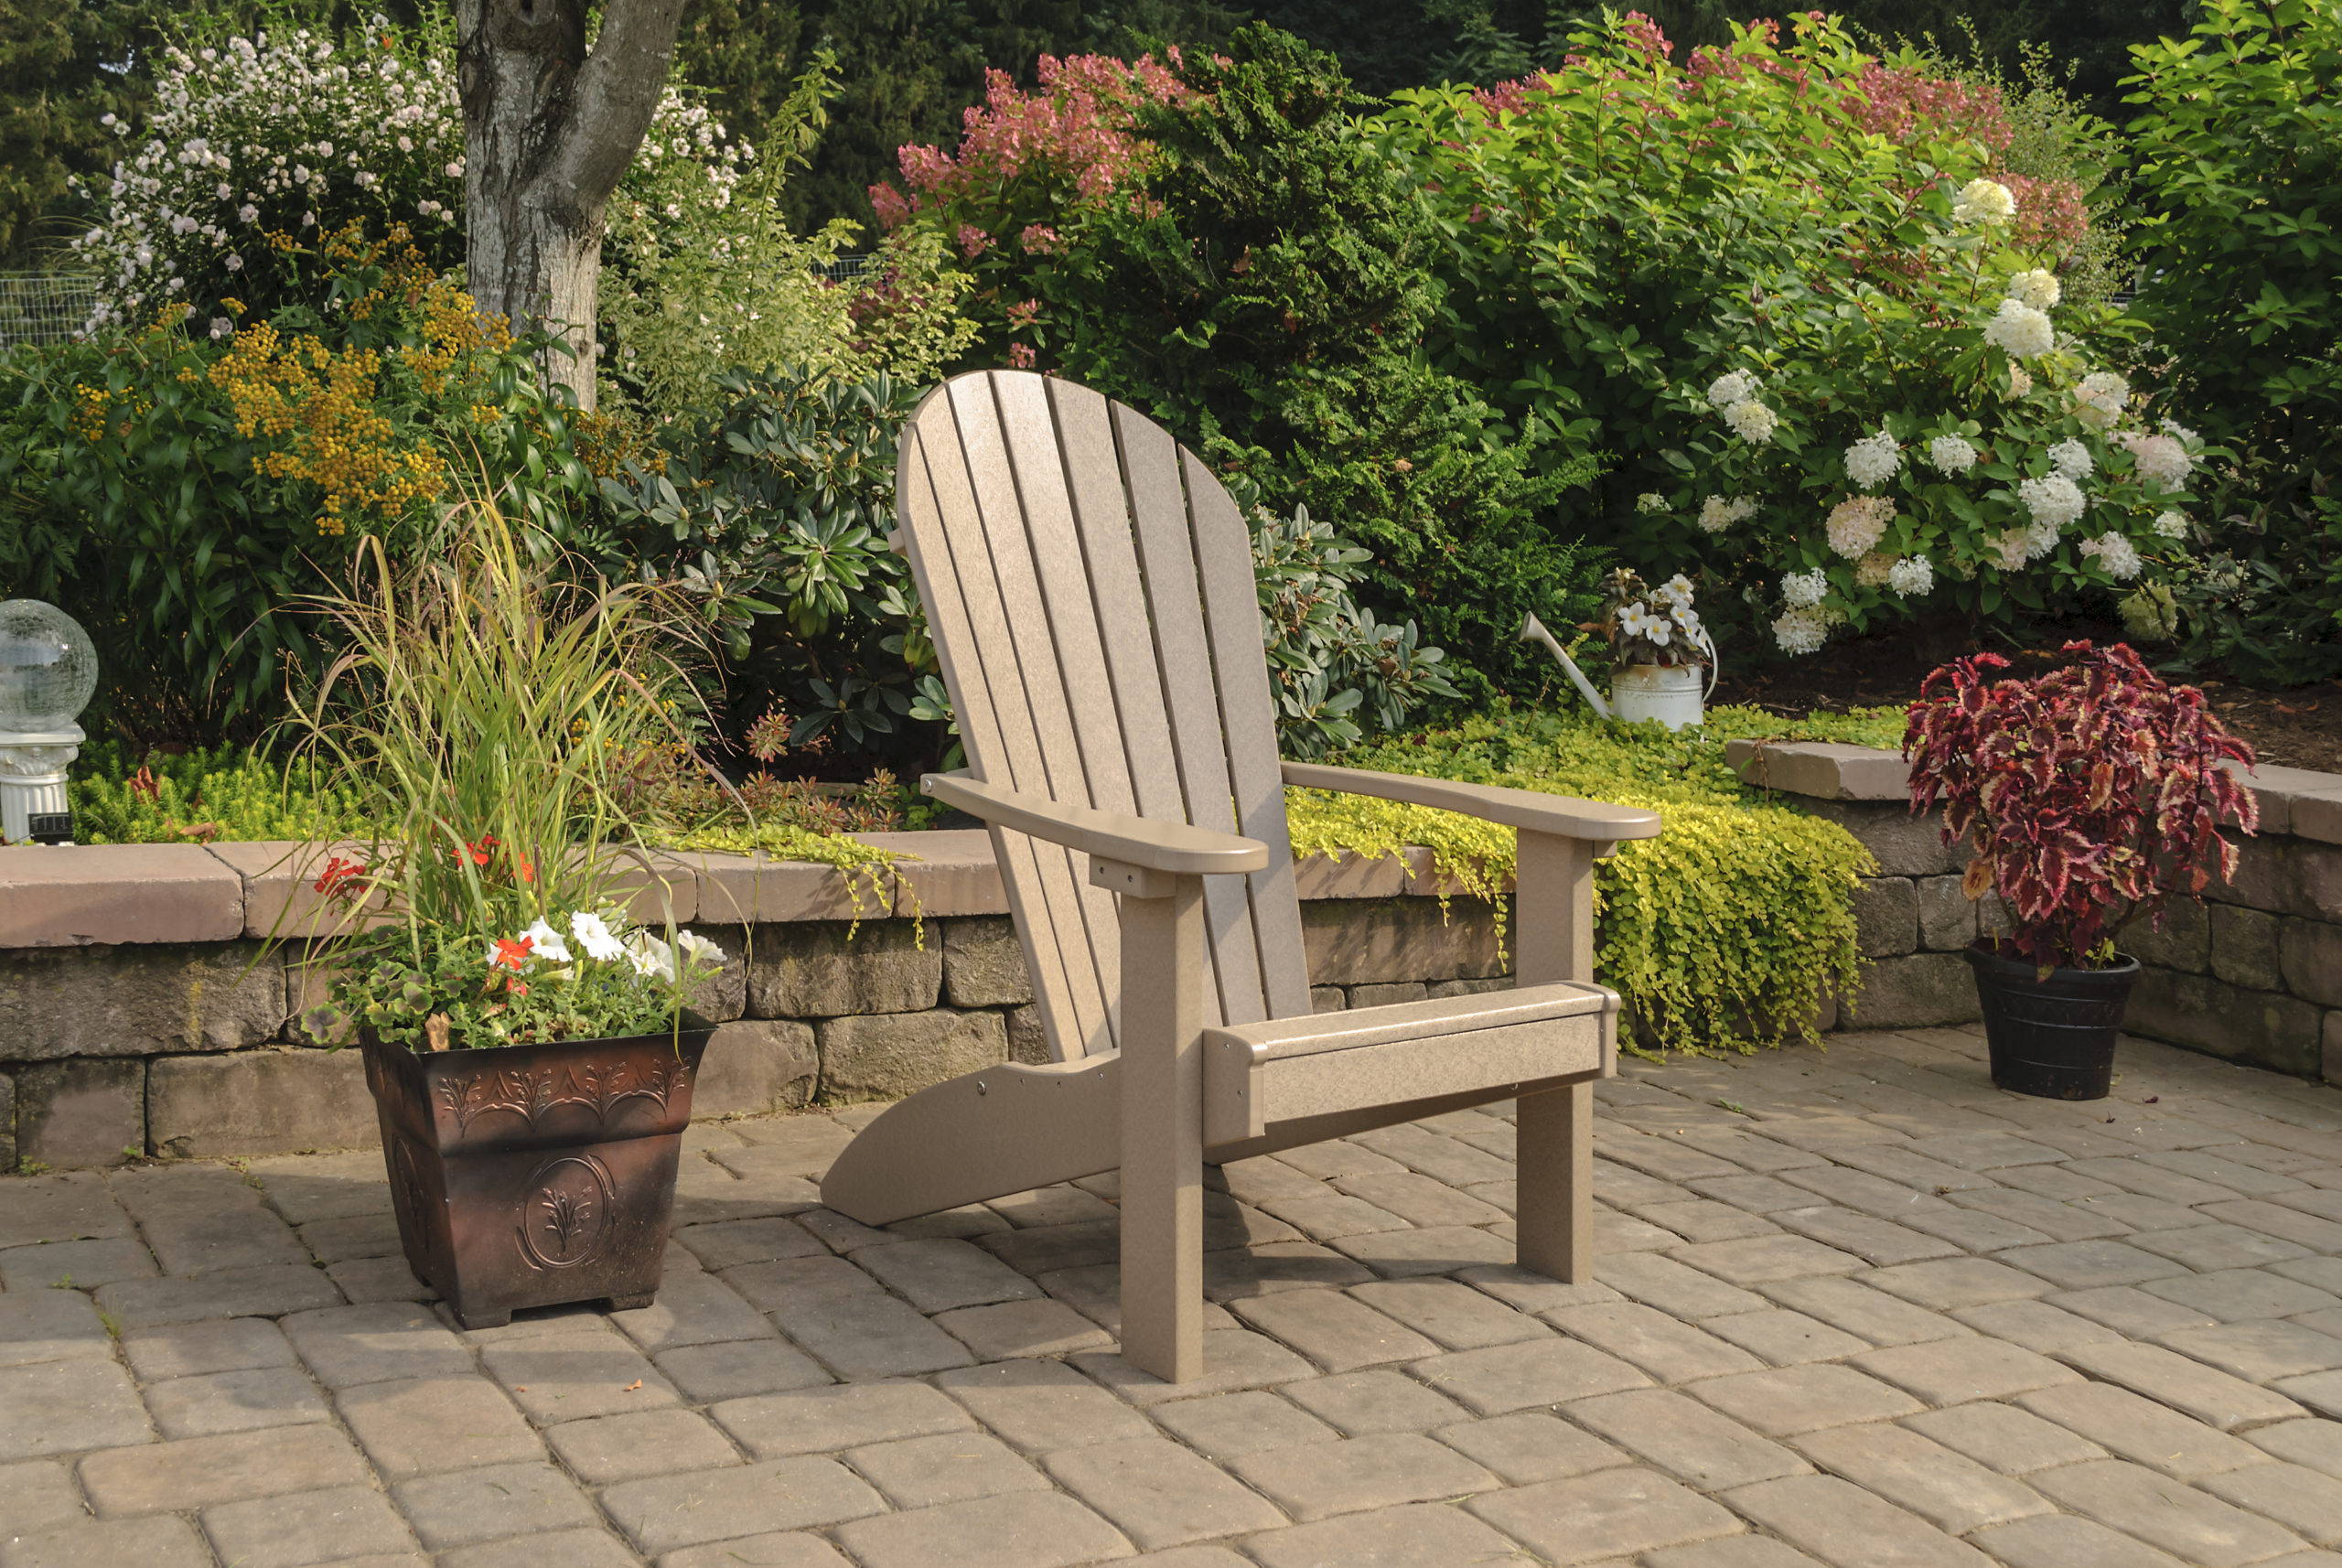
[1214, 244]
[2239, 176]
[1727, 928]
[176, 489]
[1620, 234]
[1329, 658]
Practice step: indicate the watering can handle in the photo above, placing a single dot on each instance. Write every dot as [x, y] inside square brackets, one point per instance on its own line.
[1533, 630]
[1715, 661]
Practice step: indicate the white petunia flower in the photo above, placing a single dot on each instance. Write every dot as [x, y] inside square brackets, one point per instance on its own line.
[2021, 330]
[1802, 631]
[1733, 386]
[2160, 458]
[1803, 590]
[1752, 421]
[1651, 501]
[2171, 524]
[698, 950]
[1952, 454]
[1857, 524]
[652, 958]
[595, 936]
[2070, 459]
[2116, 553]
[547, 941]
[1912, 577]
[2038, 290]
[2054, 500]
[1983, 201]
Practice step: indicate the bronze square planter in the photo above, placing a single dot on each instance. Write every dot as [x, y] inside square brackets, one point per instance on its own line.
[534, 1175]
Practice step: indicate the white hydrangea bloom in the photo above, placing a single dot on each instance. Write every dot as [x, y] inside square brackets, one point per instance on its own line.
[1803, 590]
[1871, 571]
[2020, 383]
[2070, 459]
[2099, 400]
[1651, 501]
[1983, 201]
[2161, 458]
[1752, 421]
[1952, 454]
[2171, 524]
[2116, 553]
[2041, 539]
[2021, 330]
[1733, 386]
[2179, 432]
[2038, 290]
[1802, 631]
[2053, 499]
[1716, 514]
[1872, 461]
[1856, 525]
[2015, 549]
[1912, 577]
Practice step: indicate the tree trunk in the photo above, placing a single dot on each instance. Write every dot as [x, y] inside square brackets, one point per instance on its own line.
[548, 131]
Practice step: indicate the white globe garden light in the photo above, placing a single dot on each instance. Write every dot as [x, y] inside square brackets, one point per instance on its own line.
[48, 669]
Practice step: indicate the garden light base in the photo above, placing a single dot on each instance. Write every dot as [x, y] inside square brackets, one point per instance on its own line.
[33, 806]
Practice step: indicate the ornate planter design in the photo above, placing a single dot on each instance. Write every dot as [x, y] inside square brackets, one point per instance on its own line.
[532, 1175]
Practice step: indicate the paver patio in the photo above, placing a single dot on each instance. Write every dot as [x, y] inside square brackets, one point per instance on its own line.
[1855, 1308]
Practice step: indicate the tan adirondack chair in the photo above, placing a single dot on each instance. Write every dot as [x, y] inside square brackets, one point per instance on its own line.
[1090, 586]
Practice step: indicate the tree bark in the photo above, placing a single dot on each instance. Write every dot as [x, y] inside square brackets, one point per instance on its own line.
[548, 131]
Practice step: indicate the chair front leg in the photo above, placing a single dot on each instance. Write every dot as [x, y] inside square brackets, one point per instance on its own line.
[1163, 1118]
[1554, 939]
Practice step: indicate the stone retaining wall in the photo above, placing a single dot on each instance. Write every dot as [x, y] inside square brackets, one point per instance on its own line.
[2254, 975]
[144, 1010]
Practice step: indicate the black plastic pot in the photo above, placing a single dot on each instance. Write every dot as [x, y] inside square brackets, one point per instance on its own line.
[2052, 1037]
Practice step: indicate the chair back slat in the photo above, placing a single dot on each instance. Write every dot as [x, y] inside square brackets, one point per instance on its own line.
[987, 685]
[1089, 588]
[1167, 558]
[1232, 618]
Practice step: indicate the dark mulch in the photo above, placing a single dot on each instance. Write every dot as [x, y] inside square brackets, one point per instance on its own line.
[2299, 727]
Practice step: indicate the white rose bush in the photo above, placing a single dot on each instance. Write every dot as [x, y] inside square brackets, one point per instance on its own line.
[1860, 457]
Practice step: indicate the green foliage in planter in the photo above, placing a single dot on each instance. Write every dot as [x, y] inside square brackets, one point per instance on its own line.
[1738, 916]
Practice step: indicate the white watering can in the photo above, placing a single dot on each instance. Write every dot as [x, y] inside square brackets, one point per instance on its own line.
[1671, 693]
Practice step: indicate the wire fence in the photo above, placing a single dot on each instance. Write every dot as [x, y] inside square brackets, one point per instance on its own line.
[843, 269]
[44, 308]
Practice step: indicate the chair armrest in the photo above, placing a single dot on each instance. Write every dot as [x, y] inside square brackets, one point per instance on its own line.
[1173, 847]
[1565, 816]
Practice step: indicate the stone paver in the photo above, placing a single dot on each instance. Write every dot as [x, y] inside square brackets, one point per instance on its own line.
[1881, 1315]
[1160, 1493]
[1328, 1478]
[1610, 1513]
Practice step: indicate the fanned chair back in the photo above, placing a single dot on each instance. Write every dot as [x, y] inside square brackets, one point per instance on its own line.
[1091, 591]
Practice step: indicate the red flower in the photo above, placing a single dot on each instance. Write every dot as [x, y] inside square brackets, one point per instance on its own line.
[341, 878]
[507, 952]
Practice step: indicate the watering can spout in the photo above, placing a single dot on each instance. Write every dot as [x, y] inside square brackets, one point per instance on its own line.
[1533, 630]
